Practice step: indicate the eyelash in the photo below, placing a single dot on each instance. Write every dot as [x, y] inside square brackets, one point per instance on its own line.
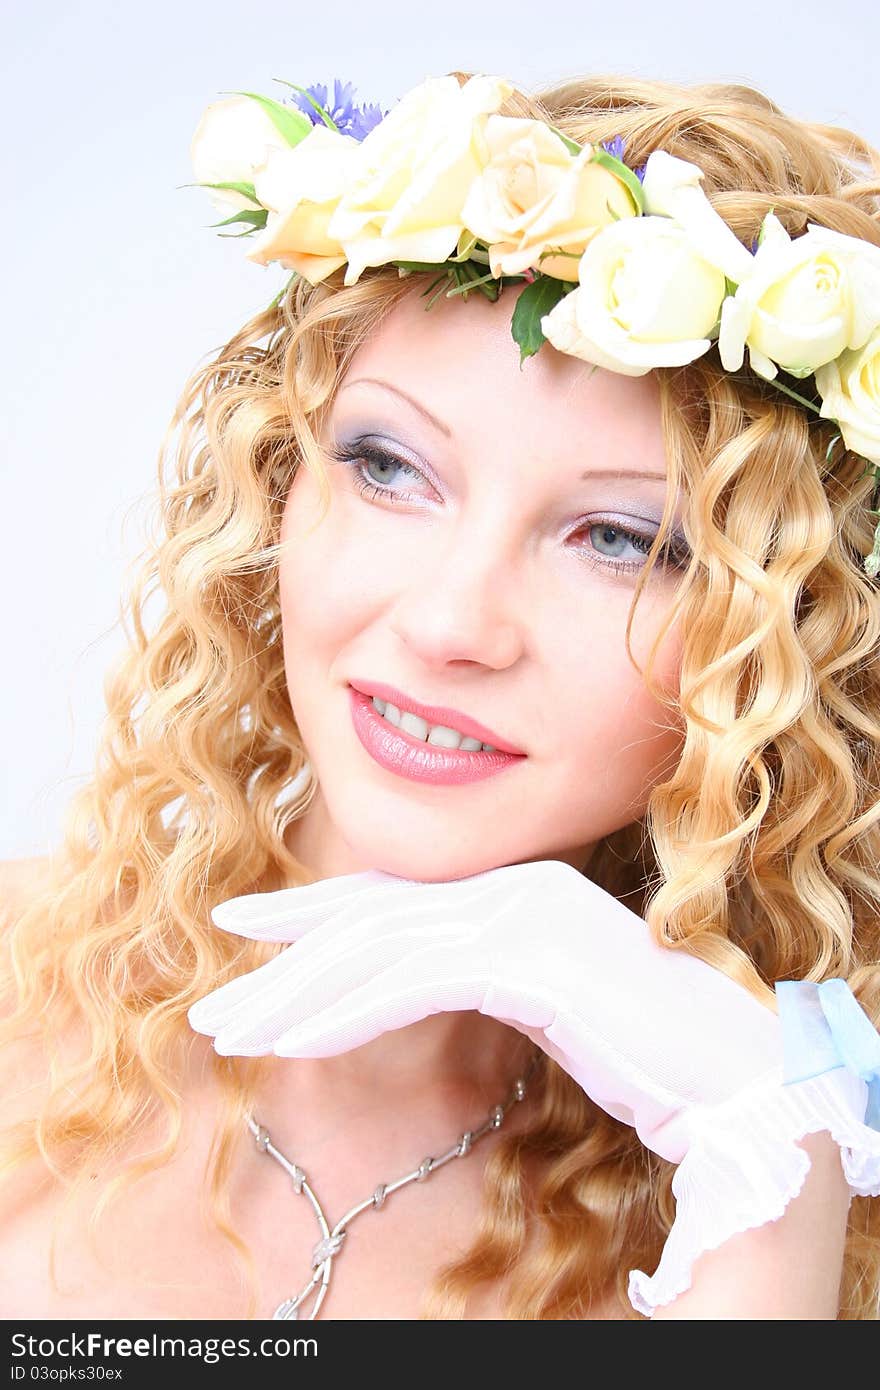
[357, 455]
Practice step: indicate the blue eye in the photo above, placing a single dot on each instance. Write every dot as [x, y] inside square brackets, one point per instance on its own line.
[359, 456]
[611, 533]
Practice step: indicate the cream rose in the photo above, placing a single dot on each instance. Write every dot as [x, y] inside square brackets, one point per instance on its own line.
[671, 187]
[233, 140]
[414, 171]
[850, 391]
[806, 300]
[646, 297]
[534, 193]
[301, 186]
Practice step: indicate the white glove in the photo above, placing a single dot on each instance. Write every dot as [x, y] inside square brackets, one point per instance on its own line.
[656, 1037]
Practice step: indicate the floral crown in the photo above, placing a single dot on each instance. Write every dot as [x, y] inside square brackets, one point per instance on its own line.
[627, 269]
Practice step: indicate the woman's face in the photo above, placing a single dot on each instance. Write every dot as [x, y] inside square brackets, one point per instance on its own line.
[477, 573]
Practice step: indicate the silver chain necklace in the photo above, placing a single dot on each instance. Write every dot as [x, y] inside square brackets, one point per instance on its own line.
[331, 1241]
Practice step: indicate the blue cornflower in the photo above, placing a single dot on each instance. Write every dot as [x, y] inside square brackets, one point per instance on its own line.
[350, 119]
[616, 147]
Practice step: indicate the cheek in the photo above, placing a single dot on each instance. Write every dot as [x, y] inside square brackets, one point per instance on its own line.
[317, 572]
[339, 569]
[613, 738]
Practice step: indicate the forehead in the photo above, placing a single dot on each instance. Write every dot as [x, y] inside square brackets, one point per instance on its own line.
[459, 359]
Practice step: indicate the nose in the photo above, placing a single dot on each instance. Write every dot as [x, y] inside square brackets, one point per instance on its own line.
[464, 603]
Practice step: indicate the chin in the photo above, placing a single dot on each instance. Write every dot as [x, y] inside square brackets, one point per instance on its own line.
[439, 868]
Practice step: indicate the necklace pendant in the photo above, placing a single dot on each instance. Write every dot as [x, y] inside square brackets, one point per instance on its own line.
[327, 1248]
[330, 1244]
[288, 1310]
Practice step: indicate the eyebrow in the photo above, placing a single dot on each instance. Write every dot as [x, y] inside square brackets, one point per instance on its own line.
[411, 400]
[444, 429]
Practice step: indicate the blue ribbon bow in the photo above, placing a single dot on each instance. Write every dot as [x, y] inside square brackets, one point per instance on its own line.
[823, 1027]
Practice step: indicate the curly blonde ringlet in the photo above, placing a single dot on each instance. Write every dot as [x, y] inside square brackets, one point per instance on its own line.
[759, 853]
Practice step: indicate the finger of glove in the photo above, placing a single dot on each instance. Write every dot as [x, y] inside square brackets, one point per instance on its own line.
[289, 983]
[412, 912]
[288, 913]
[518, 999]
[432, 981]
[385, 930]
[275, 991]
[263, 991]
[252, 1016]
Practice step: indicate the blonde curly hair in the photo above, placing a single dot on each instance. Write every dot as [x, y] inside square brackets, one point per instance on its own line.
[759, 854]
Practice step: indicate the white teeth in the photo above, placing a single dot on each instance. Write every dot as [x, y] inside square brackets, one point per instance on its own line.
[444, 737]
[438, 735]
[414, 724]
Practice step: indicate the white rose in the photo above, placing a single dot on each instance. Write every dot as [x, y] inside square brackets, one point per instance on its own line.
[301, 186]
[850, 391]
[646, 298]
[233, 140]
[534, 193]
[807, 299]
[672, 189]
[413, 175]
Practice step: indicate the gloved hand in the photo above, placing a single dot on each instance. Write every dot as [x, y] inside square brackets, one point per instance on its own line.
[645, 1030]
[656, 1037]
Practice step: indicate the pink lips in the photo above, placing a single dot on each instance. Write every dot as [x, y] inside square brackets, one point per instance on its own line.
[409, 757]
[437, 714]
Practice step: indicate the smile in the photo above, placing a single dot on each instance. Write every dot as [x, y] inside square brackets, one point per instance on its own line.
[411, 747]
[437, 734]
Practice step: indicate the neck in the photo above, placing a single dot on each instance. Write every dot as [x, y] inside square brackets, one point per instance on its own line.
[456, 1065]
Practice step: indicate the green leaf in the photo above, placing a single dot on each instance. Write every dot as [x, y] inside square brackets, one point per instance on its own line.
[293, 125]
[437, 281]
[470, 282]
[417, 265]
[466, 243]
[622, 172]
[283, 291]
[257, 217]
[762, 228]
[327, 119]
[536, 299]
[438, 293]
[795, 396]
[560, 251]
[246, 190]
[571, 145]
[830, 449]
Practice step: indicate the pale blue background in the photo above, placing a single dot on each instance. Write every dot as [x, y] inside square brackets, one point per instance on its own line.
[113, 290]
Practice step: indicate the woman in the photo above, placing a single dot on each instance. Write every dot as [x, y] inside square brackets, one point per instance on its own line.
[644, 593]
